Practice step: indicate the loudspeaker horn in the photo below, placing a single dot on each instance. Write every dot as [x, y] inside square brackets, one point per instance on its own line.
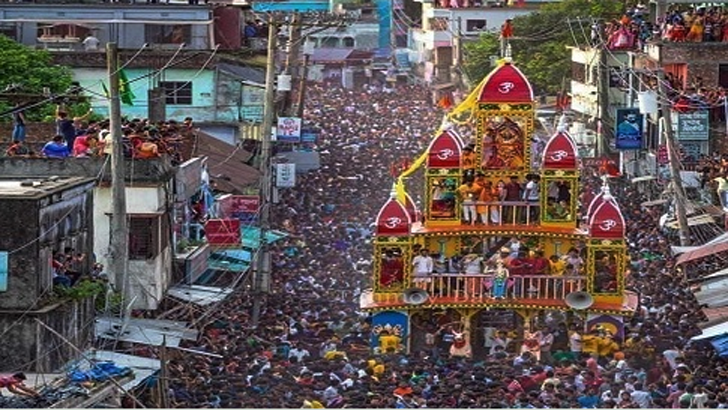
[415, 296]
[579, 300]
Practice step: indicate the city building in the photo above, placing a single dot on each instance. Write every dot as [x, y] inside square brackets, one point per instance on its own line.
[150, 186]
[47, 216]
[180, 61]
[432, 44]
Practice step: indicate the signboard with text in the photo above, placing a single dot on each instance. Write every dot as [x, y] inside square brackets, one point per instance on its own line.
[285, 175]
[693, 126]
[288, 129]
[223, 232]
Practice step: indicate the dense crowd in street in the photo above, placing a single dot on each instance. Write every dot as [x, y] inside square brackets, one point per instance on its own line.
[311, 347]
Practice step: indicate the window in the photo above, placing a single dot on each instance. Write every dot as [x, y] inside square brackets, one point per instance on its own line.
[9, 30]
[177, 92]
[439, 24]
[144, 238]
[475, 25]
[348, 42]
[4, 271]
[330, 42]
[723, 75]
[578, 72]
[167, 34]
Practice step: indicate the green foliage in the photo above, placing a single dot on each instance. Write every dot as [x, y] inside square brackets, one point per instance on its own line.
[82, 290]
[33, 70]
[540, 41]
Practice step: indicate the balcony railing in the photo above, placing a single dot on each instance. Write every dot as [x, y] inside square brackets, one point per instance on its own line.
[510, 212]
[481, 288]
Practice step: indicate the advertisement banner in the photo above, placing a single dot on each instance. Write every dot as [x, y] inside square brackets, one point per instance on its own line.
[288, 129]
[285, 175]
[693, 126]
[390, 324]
[628, 134]
[223, 232]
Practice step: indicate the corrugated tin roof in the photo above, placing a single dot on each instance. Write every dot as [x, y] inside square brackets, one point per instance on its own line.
[144, 331]
[199, 295]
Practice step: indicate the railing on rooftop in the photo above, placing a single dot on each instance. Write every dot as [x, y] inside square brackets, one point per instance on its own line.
[512, 213]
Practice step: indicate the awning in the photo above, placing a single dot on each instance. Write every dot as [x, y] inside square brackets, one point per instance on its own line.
[143, 367]
[236, 260]
[702, 252]
[251, 236]
[676, 250]
[199, 295]
[250, 74]
[709, 332]
[144, 331]
[721, 345]
[643, 179]
[693, 221]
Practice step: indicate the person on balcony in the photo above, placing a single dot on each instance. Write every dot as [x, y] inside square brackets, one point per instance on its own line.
[532, 195]
[423, 266]
[468, 163]
[469, 193]
[485, 197]
[513, 194]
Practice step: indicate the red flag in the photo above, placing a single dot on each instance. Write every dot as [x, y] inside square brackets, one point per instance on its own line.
[445, 102]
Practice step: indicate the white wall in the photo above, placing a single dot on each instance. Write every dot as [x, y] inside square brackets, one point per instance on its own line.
[148, 279]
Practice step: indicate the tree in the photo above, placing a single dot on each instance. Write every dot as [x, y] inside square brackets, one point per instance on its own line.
[539, 45]
[33, 70]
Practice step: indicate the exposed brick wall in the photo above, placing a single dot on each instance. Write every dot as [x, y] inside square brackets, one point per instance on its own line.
[35, 132]
[702, 59]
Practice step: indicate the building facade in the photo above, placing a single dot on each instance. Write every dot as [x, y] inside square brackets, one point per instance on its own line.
[150, 186]
[49, 215]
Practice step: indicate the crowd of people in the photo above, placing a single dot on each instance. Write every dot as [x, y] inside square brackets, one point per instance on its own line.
[84, 137]
[311, 350]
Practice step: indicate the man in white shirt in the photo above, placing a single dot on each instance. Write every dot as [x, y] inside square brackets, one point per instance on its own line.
[423, 266]
[91, 43]
[532, 196]
[641, 397]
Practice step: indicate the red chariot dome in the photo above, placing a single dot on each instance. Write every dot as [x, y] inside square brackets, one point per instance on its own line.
[445, 151]
[607, 221]
[560, 153]
[393, 219]
[506, 84]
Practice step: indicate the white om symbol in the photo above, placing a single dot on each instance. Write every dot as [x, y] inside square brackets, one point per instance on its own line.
[445, 154]
[392, 222]
[608, 225]
[505, 88]
[559, 155]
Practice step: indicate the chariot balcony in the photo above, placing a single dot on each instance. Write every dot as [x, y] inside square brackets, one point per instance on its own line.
[462, 290]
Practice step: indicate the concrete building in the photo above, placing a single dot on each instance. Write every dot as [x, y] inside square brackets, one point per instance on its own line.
[45, 216]
[177, 75]
[150, 186]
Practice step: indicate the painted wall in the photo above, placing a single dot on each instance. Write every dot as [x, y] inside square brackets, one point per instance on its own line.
[202, 109]
[148, 279]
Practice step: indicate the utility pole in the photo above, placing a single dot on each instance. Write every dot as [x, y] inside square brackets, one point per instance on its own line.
[603, 101]
[294, 46]
[261, 279]
[457, 40]
[677, 186]
[302, 86]
[163, 377]
[119, 246]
